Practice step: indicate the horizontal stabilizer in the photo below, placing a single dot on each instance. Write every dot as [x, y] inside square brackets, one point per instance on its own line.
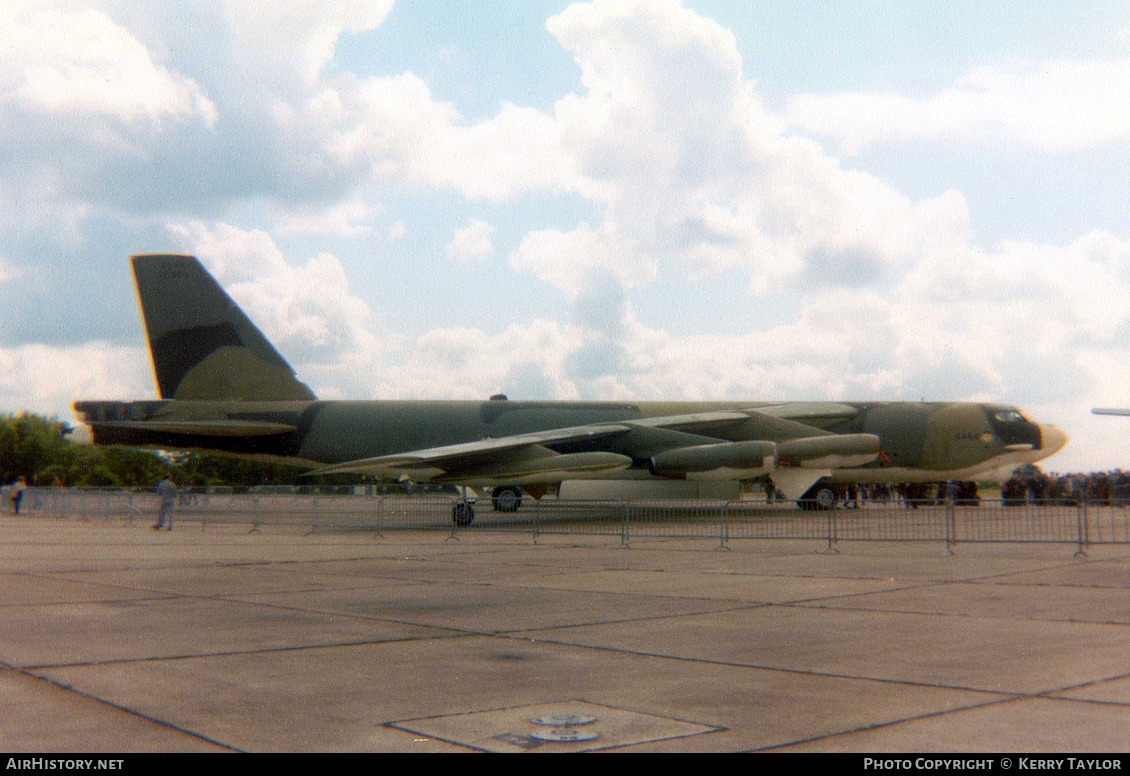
[216, 428]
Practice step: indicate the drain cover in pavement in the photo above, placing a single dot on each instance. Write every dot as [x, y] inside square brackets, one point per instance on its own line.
[564, 720]
[569, 726]
[564, 736]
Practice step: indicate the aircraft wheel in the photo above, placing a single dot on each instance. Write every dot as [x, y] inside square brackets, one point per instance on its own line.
[462, 514]
[825, 498]
[506, 499]
[819, 497]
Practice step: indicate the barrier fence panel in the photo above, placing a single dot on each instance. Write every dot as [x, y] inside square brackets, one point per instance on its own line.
[563, 516]
[988, 521]
[893, 522]
[995, 521]
[89, 503]
[344, 513]
[773, 520]
[683, 519]
[416, 512]
[237, 508]
[1107, 524]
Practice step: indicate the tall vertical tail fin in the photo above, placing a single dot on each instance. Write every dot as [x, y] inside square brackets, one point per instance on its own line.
[203, 345]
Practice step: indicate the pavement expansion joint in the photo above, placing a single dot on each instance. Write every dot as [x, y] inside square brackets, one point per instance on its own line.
[894, 723]
[884, 680]
[125, 709]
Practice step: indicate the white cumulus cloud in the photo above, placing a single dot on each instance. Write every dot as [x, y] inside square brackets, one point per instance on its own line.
[473, 243]
[49, 378]
[307, 311]
[66, 60]
[1051, 106]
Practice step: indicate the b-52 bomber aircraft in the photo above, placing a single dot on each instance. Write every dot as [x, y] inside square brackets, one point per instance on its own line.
[224, 387]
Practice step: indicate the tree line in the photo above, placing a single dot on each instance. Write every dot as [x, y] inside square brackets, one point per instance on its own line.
[38, 448]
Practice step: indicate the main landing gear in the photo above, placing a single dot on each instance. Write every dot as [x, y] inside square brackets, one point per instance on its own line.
[820, 496]
[506, 498]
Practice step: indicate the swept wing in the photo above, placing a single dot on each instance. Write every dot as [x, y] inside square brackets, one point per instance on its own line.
[519, 459]
[714, 445]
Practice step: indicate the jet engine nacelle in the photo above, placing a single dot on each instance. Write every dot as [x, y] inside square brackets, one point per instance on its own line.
[722, 461]
[832, 451]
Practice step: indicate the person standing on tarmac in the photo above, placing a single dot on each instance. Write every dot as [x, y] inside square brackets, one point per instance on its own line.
[17, 494]
[167, 490]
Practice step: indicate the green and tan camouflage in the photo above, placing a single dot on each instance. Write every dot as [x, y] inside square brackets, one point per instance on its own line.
[224, 387]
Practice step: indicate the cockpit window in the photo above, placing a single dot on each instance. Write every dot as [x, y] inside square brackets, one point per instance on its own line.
[1009, 416]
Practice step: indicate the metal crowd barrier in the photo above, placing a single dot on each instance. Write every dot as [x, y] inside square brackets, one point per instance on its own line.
[1082, 524]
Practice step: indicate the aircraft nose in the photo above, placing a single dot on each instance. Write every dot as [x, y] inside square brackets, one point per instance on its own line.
[1052, 439]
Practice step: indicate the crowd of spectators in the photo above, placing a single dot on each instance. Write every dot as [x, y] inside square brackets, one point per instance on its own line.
[916, 494]
[1033, 486]
[1028, 485]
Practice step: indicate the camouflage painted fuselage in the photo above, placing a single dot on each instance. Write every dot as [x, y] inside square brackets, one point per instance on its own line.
[923, 441]
[224, 387]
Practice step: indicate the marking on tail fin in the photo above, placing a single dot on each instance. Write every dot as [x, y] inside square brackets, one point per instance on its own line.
[202, 344]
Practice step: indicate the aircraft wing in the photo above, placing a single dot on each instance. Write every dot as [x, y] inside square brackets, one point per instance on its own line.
[491, 452]
[692, 419]
[518, 459]
[724, 444]
[808, 411]
[1110, 411]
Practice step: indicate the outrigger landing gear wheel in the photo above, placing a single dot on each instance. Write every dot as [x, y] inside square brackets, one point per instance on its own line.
[462, 514]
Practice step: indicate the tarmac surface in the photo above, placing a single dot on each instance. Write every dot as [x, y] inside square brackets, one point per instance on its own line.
[114, 638]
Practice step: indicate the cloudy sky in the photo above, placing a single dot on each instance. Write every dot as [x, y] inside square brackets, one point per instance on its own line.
[618, 199]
